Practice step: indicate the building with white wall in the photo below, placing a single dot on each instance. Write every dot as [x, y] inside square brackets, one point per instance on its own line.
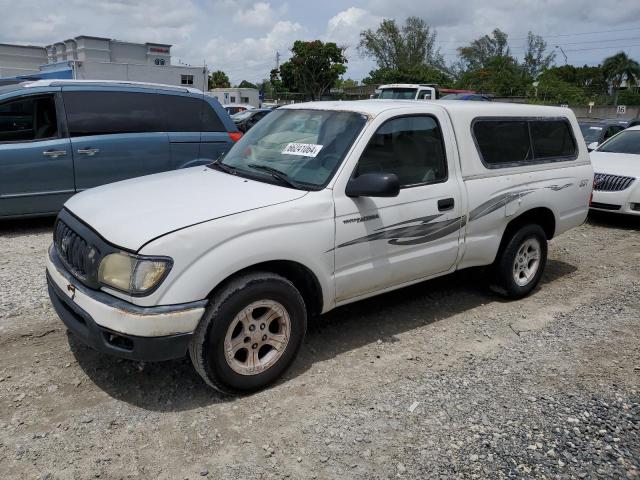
[21, 59]
[98, 58]
[226, 96]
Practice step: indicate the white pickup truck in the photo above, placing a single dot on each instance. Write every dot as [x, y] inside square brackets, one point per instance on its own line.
[319, 205]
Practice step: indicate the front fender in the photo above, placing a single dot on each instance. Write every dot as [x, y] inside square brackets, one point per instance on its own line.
[205, 255]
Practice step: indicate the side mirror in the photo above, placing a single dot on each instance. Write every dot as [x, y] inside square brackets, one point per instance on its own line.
[374, 185]
[592, 146]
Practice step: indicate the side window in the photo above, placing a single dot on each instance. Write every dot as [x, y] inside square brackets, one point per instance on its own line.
[100, 113]
[509, 142]
[188, 114]
[611, 131]
[552, 139]
[28, 119]
[411, 147]
[502, 142]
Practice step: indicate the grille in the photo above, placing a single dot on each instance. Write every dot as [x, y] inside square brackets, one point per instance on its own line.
[611, 183]
[74, 251]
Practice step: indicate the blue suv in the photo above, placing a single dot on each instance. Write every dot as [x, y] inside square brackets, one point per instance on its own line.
[59, 137]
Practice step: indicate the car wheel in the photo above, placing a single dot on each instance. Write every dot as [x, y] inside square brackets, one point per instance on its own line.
[521, 263]
[250, 333]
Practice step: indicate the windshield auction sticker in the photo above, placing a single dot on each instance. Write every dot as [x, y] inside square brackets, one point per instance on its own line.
[304, 149]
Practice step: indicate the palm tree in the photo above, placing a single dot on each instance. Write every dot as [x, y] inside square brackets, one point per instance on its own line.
[618, 67]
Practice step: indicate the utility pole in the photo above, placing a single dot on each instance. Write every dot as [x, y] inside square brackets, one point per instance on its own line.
[563, 54]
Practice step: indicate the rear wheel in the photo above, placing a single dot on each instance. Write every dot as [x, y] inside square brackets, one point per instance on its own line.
[521, 262]
[250, 333]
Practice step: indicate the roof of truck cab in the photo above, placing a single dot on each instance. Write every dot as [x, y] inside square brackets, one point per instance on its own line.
[375, 107]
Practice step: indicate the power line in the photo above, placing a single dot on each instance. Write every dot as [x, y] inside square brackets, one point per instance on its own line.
[550, 36]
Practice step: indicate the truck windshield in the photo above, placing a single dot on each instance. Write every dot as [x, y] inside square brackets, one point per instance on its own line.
[398, 93]
[301, 148]
[625, 142]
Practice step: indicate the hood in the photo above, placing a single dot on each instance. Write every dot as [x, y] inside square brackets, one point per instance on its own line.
[625, 164]
[130, 213]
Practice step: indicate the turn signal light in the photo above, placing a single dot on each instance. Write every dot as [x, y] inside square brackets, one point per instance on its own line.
[235, 136]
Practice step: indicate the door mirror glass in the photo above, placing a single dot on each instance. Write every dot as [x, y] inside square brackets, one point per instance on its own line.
[592, 146]
[374, 185]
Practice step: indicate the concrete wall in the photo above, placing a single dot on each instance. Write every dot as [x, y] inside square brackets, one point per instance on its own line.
[170, 75]
[607, 112]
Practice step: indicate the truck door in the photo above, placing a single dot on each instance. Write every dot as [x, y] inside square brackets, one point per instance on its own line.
[115, 134]
[35, 156]
[382, 242]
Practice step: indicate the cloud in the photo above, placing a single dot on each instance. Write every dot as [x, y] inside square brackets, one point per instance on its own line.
[253, 58]
[241, 37]
[259, 15]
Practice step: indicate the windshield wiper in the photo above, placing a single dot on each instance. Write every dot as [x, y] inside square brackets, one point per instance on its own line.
[221, 166]
[277, 174]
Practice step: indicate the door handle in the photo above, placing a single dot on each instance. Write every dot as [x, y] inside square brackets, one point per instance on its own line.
[89, 151]
[445, 204]
[54, 153]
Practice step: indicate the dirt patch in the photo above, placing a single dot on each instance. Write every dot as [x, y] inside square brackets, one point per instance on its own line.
[440, 380]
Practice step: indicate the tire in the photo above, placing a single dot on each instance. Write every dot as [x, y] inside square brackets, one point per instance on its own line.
[518, 269]
[239, 317]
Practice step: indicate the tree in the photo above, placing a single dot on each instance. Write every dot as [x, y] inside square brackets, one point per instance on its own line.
[246, 84]
[313, 69]
[346, 83]
[218, 79]
[535, 60]
[502, 75]
[482, 51]
[417, 74]
[618, 68]
[553, 89]
[395, 48]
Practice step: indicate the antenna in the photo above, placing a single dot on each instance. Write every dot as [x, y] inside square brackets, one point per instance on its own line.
[277, 60]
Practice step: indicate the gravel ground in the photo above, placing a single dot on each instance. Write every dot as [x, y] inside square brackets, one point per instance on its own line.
[439, 380]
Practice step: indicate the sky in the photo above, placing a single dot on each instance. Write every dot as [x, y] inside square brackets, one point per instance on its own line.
[242, 37]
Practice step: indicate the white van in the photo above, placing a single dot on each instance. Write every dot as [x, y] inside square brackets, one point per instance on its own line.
[319, 205]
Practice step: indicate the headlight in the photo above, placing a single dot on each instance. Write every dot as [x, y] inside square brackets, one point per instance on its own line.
[133, 274]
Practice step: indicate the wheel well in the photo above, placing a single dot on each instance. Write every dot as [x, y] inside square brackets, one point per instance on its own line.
[541, 216]
[301, 277]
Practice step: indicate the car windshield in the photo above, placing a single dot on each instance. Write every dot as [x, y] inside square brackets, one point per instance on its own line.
[398, 93]
[591, 133]
[625, 142]
[300, 147]
[241, 115]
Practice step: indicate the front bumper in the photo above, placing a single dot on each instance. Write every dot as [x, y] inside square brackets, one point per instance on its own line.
[626, 201]
[111, 325]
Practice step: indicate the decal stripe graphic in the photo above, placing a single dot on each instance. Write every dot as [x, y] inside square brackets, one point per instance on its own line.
[496, 203]
[424, 229]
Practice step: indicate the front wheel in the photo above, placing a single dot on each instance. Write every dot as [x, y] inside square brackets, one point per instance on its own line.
[521, 262]
[250, 333]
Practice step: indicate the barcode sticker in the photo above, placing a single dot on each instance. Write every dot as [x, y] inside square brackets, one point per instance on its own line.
[304, 149]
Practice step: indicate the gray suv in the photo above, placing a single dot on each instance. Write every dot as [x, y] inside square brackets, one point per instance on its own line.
[59, 137]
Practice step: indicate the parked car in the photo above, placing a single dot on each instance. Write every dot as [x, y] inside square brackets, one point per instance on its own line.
[467, 96]
[233, 108]
[247, 119]
[319, 205]
[617, 166]
[595, 133]
[59, 137]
